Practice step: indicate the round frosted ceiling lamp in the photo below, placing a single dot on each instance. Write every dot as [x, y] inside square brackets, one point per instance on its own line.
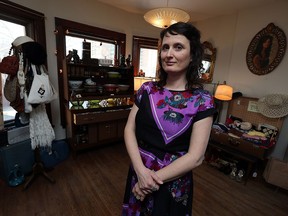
[164, 17]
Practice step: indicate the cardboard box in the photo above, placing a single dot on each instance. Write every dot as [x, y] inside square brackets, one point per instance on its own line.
[276, 173]
[18, 134]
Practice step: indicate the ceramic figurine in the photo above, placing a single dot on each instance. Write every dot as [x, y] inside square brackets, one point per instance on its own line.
[75, 56]
[122, 61]
[69, 56]
[128, 61]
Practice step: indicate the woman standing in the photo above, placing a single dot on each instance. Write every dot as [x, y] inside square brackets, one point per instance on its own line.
[168, 129]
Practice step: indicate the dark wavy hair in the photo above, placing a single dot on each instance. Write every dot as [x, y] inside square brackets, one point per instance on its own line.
[196, 51]
[262, 40]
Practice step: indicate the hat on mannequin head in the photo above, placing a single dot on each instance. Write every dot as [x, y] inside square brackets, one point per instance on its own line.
[21, 40]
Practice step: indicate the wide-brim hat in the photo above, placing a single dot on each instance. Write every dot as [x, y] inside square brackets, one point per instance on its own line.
[21, 40]
[273, 105]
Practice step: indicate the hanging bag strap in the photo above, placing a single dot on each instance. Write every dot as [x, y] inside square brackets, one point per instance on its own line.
[21, 77]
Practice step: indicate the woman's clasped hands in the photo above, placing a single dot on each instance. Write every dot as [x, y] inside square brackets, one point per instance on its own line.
[148, 182]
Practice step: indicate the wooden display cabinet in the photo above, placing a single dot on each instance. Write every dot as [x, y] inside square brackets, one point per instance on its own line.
[102, 116]
[89, 129]
[92, 117]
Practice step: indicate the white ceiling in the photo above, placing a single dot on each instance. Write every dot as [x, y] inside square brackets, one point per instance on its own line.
[198, 9]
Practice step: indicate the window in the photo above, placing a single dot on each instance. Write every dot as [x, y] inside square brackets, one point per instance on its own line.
[145, 55]
[148, 61]
[99, 49]
[16, 20]
[8, 31]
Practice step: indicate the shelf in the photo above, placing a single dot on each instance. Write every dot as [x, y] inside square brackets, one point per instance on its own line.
[102, 113]
[96, 117]
[85, 71]
[100, 104]
[91, 95]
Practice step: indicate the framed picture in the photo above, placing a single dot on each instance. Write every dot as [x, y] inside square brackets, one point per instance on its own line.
[266, 50]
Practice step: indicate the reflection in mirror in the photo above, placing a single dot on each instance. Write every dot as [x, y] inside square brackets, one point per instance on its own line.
[208, 62]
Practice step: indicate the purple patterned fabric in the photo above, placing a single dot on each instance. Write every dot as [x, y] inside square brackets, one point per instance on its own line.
[179, 189]
[173, 111]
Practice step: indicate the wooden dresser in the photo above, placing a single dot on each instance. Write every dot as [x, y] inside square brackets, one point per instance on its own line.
[237, 145]
[244, 108]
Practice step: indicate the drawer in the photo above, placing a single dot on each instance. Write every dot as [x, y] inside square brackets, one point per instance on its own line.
[238, 144]
[96, 117]
[107, 131]
[218, 137]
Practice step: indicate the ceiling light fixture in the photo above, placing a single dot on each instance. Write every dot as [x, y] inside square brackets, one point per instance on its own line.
[166, 16]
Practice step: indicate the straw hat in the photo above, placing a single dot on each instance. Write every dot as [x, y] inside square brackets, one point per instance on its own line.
[273, 105]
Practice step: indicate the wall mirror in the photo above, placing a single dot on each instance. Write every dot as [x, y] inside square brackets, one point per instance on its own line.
[208, 62]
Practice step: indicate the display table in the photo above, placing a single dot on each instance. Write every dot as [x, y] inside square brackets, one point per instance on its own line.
[244, 108]
[238, 148]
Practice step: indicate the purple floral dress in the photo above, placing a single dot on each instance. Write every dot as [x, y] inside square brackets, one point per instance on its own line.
[164, 124]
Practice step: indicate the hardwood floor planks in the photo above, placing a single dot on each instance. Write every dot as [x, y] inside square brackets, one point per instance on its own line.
[93, 185]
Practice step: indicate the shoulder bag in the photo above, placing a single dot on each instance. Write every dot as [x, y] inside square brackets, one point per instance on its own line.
[42, 91]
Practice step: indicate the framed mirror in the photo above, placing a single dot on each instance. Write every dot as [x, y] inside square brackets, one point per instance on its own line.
[208, 62]
[266, 50]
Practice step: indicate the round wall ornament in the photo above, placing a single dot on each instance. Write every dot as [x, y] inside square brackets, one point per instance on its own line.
[266, 50]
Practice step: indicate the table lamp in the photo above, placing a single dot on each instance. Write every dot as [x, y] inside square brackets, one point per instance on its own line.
[223, 93]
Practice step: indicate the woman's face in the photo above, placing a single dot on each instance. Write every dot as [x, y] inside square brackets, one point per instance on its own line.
[175, 53]
[267, 43]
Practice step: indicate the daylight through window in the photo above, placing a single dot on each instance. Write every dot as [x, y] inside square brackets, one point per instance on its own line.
[99, 49]
[8, 32]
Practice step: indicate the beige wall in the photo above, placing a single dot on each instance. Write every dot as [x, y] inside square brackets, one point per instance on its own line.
[230, 34]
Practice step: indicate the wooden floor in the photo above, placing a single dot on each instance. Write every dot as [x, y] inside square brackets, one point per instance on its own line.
[93, 185]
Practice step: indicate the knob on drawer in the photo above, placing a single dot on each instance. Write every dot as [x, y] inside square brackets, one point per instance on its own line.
[233, 142]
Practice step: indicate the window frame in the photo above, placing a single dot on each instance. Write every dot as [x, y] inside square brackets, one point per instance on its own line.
[34, 23]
